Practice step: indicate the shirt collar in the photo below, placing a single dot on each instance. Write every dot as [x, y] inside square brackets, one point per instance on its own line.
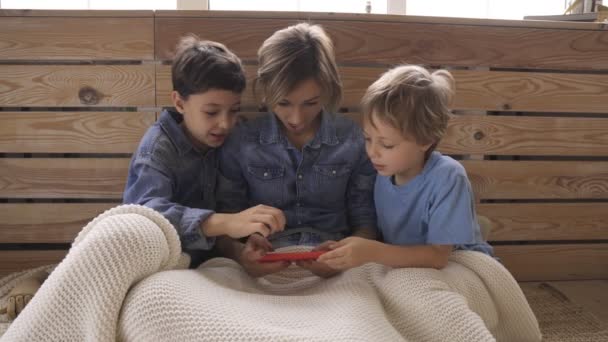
[270, 132]
[170, 123]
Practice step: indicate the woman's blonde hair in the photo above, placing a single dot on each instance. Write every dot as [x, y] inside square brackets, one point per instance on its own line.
[413, 100]
[292, 55]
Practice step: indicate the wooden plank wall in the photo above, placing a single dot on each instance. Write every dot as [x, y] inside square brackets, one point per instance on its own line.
[77, 93]
[75, 106]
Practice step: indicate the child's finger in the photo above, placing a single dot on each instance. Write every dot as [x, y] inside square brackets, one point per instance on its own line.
[324, 246]
[279, 215]
[258, 241]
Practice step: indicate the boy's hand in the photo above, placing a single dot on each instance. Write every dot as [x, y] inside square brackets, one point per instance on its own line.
[348, 253]
[260, 219]
[256, 247]
[316, 267]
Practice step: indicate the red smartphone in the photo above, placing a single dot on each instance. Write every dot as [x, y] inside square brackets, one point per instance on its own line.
[271, 257]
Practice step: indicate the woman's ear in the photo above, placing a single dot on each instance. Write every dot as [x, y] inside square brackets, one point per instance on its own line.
[178, 101]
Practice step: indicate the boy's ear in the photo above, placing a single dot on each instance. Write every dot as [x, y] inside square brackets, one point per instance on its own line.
[425, 148]
[178, 101]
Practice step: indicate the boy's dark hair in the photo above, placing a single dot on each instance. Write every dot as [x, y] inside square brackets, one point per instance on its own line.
[201, 65]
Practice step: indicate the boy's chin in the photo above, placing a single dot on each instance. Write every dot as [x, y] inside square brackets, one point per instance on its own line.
[384, 173]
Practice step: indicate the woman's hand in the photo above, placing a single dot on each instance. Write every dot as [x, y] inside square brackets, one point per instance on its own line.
[261, 219]
[256, 247]
[348, 253]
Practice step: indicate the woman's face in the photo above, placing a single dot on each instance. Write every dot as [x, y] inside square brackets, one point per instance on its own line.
[299, 111]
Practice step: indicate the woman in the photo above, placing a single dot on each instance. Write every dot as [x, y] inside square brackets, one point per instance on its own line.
[299, 158]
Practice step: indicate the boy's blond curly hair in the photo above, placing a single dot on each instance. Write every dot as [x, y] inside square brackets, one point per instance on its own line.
[413, 100]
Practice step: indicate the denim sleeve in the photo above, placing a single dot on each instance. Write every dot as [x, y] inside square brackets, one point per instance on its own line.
[151, 185]
[360, 196]
[231, 193]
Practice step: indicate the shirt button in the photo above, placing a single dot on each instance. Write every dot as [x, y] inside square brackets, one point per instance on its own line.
[299, 222]
[265, 174]
[297, 204]
[300, 176]
[333, 172]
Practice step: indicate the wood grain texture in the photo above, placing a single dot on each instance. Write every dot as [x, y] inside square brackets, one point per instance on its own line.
[538, 179]
[46, 222]
[77, 13]
[76, 85]
[475, 90]
[531, 92]
[546, 221]
[519, 135]
[72, 132]
[387, 43]
[14, 261]
[63, 177]
[555, 262]
[314, 16]
[76, 38]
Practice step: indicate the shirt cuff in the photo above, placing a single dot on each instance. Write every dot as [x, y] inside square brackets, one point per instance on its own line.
[193, 238]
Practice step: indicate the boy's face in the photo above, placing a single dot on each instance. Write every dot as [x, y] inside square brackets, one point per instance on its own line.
[208, 116]
[299, 110]
[391, 153]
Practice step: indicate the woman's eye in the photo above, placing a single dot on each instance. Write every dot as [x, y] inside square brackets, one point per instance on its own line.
[283, 104]
[211, 113]
[311, 104]
[388, 147]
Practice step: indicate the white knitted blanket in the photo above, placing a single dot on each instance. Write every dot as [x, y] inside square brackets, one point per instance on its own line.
[89, 296]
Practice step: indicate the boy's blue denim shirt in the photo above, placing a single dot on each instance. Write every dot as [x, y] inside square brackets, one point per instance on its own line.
[328, 185]
[168, 174]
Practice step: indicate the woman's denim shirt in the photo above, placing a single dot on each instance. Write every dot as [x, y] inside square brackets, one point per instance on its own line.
[168, 174]
[328, 185]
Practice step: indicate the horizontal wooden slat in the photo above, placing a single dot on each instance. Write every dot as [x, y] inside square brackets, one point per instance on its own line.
[72, 38]
[546, 221]
[314, 16]
[365, 42]
[555, 262]
[475, 90]
[46, 222]
[63, 177]
[76, 85]
[530, 91]
[15, 261]
[519, 135]
[538, 179]
[77, 13]
[72, 132]
[510, 135]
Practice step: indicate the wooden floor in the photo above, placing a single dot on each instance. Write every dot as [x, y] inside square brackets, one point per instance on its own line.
[592, 295]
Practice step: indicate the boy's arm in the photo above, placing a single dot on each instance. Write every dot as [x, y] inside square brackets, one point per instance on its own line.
[152, 186]
[428, 256]
[354, 251]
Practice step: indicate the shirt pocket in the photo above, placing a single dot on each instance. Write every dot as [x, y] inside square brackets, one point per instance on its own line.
[330, 183]
[266, 185]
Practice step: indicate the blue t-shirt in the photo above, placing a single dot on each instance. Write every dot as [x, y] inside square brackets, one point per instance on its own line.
[435, 207]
